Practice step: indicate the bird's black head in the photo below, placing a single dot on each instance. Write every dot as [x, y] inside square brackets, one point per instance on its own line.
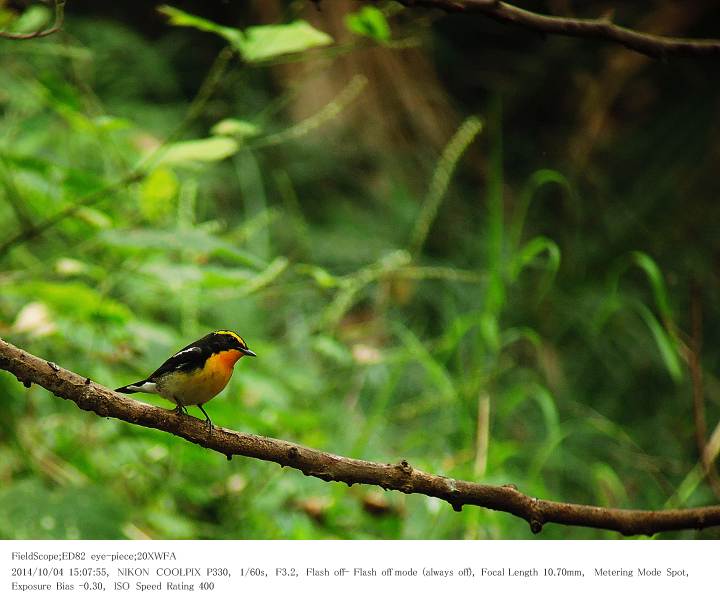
[229, 340]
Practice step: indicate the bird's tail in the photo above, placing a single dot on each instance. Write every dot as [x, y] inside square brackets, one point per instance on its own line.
[141, 386]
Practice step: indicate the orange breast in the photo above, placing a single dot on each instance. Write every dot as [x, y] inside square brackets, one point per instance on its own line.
[200, 385]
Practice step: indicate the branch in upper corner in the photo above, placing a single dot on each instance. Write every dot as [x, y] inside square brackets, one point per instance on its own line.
[29, 369]
[41, 33]
[600, 28]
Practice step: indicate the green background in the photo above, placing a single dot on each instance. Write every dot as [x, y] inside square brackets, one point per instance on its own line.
[416, 221]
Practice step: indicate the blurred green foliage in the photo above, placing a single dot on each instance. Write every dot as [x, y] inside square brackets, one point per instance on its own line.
[390, 308]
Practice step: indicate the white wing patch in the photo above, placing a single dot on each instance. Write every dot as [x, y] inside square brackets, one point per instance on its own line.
[150, 387]
[193, 350]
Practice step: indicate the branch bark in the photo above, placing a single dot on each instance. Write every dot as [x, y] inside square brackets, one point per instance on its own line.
[601, 28]
[401, 476]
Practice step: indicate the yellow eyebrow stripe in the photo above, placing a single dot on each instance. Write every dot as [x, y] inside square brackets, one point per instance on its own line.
[234, 335]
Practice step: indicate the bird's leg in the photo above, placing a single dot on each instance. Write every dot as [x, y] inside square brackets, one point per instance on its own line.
[208, 421]
[180, 408]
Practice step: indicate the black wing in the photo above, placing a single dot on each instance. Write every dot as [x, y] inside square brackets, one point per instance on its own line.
[189, 358]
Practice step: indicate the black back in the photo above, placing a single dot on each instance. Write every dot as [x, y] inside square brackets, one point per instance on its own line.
[193, 356]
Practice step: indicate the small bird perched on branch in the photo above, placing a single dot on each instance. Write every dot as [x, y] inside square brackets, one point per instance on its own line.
[197, 373]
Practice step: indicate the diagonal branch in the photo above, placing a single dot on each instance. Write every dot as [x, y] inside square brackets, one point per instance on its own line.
[41, 33]
[402, 477]
[601, 28]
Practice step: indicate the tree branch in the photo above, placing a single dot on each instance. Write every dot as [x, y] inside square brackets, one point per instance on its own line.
[600, 28]
[41, 33]
[30, 369]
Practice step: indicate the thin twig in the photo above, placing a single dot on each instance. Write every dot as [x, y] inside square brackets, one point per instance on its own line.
[601, 28]
[401, 476]
[41, 33]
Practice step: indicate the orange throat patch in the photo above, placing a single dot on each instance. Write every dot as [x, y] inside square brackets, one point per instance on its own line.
[225, 359]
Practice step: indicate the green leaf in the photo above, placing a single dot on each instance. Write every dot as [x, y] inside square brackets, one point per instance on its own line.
[185, 240]
[517, 334]
[529, 253]
[33, 19]
[654, 275]
[237, 128]
[269, 41]
[259, 42]
[662, 330]
[369, 21]
[548, 408]
[664, 341]
[490, 331]
[157, 193]
[75, 300]
[537, 181]
[211, 149]
[182, 19]
[215, 277]
[94, 217]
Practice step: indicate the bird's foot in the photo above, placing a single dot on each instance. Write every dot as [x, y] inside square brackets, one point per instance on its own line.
[208, 422]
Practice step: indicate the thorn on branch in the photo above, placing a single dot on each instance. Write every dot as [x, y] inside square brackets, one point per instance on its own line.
[53, 366]
[87, 381]
[229, 456]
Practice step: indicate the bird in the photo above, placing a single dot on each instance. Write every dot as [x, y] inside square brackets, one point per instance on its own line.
[196, 373]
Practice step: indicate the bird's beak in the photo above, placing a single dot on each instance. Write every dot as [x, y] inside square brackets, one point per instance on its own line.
[247, 352]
